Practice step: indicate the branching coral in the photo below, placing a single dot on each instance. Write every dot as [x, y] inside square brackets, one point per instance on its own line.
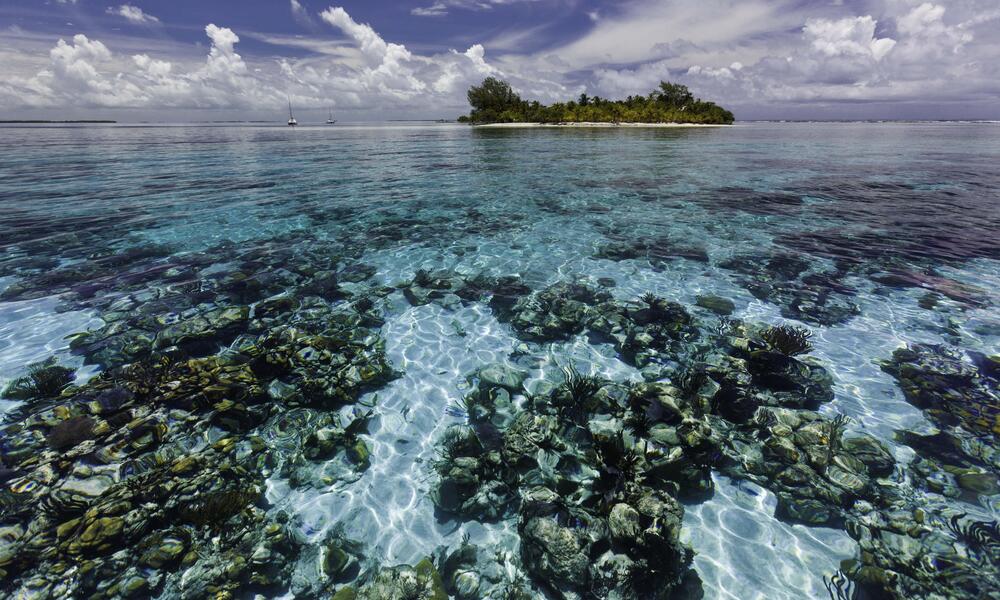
[837, 426]
[840, 587]
[580, 387]
[763, 418]
[215, 508]
[44, 380]
[788, 340]
[619, 466]
[977, 535]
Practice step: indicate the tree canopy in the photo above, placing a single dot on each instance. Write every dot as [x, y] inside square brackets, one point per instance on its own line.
[495, 101]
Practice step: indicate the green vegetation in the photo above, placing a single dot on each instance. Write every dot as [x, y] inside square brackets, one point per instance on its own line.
[496, 102]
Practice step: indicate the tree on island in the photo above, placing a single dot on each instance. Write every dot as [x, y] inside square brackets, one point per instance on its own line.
[495, 101]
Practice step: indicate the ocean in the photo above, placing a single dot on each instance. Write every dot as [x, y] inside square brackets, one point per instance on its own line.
[392, 271]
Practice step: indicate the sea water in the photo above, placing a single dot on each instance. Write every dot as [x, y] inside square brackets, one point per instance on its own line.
[541, 204]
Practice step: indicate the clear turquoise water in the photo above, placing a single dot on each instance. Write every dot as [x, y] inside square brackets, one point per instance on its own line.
[861, 200]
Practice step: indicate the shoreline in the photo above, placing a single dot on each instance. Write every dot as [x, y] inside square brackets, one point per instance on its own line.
[594, 125]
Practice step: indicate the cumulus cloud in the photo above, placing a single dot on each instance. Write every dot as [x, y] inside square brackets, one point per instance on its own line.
[844, 37]
[390, 67]
[917, 52]
[760, 53]
[133, 14]
[928, 36]
[86, 72]
[75, 73]
[372, 73]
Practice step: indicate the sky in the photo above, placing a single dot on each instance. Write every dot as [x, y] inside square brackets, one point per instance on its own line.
[202, 60]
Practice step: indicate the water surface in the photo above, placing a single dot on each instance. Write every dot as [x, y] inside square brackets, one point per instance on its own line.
[897, 223]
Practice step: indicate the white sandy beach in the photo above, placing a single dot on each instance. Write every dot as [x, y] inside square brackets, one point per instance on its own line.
[588, 124]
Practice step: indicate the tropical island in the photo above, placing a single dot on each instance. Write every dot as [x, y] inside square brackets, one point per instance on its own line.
[495, 102]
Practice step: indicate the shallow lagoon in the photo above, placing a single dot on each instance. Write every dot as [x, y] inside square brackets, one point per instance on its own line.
[873, 236]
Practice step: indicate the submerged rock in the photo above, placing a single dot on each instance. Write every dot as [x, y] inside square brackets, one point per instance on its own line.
[820, 298]
[961, 398]
[718, 305]
[419, 582]
[148, 480]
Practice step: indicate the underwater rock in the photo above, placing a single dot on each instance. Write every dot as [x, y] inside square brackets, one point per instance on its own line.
[817, 298]
[429, 287]
[324, 564]
[785, 381]
[735, 383]
[624, 522]
[472, 572]
[948, 389]
[652, 333]
[212, 325]
[555, 313]
[67, 434]
[419, 582]
[501, 375]
[962, 399]
[936, 284]
[571, 439]
[902, 555]
[558, 555]
[817, 472]
[657, 251]
[471, 482]
[717, 304]
[151, 475]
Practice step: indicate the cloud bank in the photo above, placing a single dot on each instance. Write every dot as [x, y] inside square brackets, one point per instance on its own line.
[377, 74]
[760, 53]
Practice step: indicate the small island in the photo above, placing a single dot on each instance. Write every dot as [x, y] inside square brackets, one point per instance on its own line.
[495, 103]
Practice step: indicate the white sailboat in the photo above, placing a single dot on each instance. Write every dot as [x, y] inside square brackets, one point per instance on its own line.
[330, 120]
[291, 118]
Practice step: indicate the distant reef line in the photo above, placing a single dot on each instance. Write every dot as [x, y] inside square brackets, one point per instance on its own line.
[44, 121]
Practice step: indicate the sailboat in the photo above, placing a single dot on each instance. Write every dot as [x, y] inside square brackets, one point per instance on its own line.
[330, 120]
[291, 118]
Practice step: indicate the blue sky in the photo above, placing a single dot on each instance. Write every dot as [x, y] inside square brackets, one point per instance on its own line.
[225, 59]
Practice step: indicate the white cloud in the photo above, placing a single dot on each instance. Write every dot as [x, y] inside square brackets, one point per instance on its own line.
[924, 17]
[921, 52]
[845, 37]
[442, 7]
[372, 45]
[758, 53]
[301, 15]
[366, 73]
[133, 14]
[390, 68]
[85, 72]
[438, 9]
[928, 36]
[632, 35]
